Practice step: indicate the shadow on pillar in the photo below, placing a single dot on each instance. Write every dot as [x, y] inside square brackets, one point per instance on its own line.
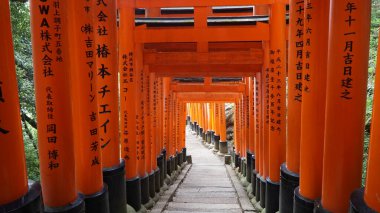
[115, 179]
[289, 182]
[30, 203]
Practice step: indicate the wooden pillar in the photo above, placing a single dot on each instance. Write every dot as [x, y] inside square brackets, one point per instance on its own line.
[347, 72]
[372, 186]
[53, 105]
[313, 103]
[107, 81]
[88, 147]
[290, 170]
[257, 127]
[13, 173]
[277, 103]
[128, 92]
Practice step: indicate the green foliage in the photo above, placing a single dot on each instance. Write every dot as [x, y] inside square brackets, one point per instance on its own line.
[20, 17]
[375, 24]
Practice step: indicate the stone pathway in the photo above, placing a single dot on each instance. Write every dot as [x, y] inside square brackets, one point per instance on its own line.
[209, 185]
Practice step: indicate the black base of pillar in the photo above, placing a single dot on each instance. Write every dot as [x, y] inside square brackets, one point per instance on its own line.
[174, 163]
[30, 203]
[272, 198]
[177, 160]
[204, 137]
[191, 126]
[98, 203]
[212, 135]
[169, 166]
[216, 142]
[195, 126]
[208, 137]
[263, 187]
[134, 193]
[152, 185]
[164, 162]
[302, 204]
[357, 203]
[145, 190]
[249, 167]
[237, 160]
[180, 158]
[258, 187]
[318, 208]
[76, 207]
[160, 164]
[244, 166]
[200, 131]
[223, 147]
[115, 180]
[254, 184]
[197, 129]
[289, 182]
[157, 178]
[184, 154]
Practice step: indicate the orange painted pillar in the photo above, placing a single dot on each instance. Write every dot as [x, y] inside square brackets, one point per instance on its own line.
[290, 169]
[140, 125]
[165, 109]
[277, 103]
[147, 132]
[88, 153]
[347, 72]
[223, 145]
[251, 129]
[155, 155]
[107, 80]
[13, 173]
[53, 105]
[237, 131]
[257, 125]
[128, 92]
[372, 187]
[106, 70]
[264, 142]
[313, 104]
[217, 126]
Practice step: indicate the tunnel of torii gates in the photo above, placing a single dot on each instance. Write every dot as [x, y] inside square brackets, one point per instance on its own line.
[112, 108]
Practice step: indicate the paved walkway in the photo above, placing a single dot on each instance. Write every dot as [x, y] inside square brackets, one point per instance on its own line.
[209, 186]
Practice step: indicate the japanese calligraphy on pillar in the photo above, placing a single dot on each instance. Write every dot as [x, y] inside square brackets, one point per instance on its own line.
[297, 48]
[88, 67]
[308, 47]
[275, 97]
[348, 58]
[127, 87]
[107, 78]
[257, 104]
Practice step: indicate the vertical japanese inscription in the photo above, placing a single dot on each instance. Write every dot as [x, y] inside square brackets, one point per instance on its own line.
[347, 48]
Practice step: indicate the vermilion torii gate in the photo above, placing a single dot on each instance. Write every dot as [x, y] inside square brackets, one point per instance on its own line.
[111, 117]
